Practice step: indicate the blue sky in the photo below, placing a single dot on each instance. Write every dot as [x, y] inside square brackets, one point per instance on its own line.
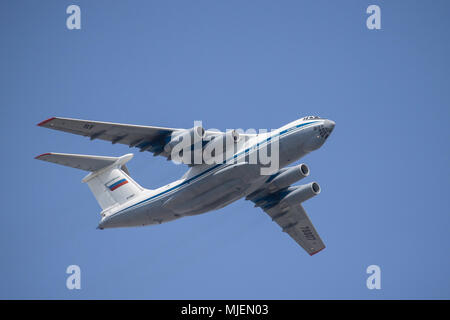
[384, 171]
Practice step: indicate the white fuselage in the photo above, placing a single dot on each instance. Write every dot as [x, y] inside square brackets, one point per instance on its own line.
[209, 187]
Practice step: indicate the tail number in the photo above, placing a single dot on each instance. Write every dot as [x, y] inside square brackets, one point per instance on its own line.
[308, 233]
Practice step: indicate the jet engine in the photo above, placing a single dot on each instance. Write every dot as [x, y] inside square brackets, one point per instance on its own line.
[192, 135]
[299, 194]
[288, 177]
[215, 149]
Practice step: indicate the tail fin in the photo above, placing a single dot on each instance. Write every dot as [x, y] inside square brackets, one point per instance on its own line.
[109, 179]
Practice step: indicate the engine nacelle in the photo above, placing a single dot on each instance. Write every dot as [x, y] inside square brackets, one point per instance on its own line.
[215, 150]
[301, 193]
[288, 177]
[191, 135]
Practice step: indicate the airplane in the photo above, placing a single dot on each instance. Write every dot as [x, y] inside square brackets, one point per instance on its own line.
[205, 186]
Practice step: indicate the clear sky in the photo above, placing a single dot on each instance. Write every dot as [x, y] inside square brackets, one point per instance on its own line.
[384, 171]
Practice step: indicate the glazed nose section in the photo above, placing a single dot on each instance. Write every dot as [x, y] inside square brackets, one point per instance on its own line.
[319, 135]
[326, 129]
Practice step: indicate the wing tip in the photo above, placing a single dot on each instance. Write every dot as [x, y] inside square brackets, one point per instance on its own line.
[42, 155]
[40, 124]
[313, 253]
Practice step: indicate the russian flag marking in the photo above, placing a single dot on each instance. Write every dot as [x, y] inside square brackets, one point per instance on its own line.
[117, 184]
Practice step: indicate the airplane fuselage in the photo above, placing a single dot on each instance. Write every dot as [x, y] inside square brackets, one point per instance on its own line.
[210, 187]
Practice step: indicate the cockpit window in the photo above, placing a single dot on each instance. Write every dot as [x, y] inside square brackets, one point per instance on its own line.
[311, 118]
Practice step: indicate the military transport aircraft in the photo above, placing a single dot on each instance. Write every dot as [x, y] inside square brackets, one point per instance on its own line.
[207, 185]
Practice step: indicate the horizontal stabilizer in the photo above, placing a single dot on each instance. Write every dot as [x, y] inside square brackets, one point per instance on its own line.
[108, 179]
[78, 161]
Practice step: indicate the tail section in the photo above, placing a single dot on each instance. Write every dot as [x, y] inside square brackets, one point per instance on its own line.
[108, 179]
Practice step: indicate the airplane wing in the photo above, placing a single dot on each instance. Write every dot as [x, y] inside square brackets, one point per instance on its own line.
[146, 138]
[295, 222]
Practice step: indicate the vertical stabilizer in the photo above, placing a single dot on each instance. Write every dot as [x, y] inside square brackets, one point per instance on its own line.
[109, 179]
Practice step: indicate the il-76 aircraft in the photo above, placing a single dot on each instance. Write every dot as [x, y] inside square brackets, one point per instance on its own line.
[207, 185]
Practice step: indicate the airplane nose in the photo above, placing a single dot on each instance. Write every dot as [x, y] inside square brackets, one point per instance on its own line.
[319, 135]
[329, 124]
[326, 128]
